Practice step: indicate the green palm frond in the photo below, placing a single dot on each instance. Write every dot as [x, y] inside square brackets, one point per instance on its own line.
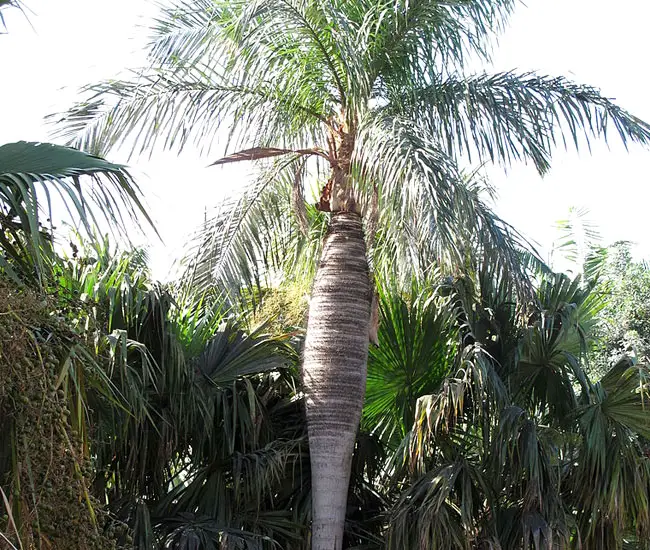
[417, 344]
[92, 189]
[475, 383]
[627, 386]
[555, 345]
[507, 117]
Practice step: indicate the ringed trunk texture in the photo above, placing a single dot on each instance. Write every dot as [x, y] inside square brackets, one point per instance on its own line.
[334, 372]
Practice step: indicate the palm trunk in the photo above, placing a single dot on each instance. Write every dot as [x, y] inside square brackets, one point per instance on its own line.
[334, 372]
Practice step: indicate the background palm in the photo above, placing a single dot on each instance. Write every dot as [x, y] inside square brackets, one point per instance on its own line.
[371, 93]
[510, 450]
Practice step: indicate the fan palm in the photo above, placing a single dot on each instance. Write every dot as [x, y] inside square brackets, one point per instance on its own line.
[373, 94]
[417, 344]
[519, 448]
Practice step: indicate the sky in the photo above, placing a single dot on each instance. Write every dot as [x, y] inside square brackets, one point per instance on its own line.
[63, 45]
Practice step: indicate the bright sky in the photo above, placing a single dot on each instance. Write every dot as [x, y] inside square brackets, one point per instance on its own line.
[73, 42]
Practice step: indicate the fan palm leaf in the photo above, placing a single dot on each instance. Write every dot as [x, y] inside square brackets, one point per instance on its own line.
[415, 352]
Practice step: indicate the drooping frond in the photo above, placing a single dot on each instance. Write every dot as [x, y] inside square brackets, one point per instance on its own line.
[258, 153]
[430, 213]
[508, 117]
[34, 175]
[173, 108]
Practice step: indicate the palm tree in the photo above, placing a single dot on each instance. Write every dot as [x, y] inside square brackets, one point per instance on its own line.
[518, 447]
[373, 94]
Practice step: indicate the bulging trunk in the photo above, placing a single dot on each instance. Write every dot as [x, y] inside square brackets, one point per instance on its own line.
[334, 372]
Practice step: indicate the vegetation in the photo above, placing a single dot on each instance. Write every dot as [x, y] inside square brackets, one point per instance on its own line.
[32, 177]
[497, 412]
[481, 425]
[44, 470]
[625, 321]
[374, 95]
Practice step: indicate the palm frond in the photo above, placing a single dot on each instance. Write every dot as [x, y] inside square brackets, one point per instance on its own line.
[257, 153]
[627, 386]
[417, 344]
[430, 211]
[92, 189]
[257, 73]
[170, 109]
[475, 382]
[506, 117]
[428, 514]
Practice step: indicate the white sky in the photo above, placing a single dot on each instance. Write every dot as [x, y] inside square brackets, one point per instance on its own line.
[74, 42]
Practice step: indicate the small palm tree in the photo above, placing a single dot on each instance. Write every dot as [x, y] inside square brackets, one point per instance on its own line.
[373, 94]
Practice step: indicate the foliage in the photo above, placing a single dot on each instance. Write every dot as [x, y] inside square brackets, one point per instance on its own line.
[520, 449]
[173, 407]
[45, 470]
[197, 392]
[32, 175]
[196, 436]
[417, 346]
[482, 428]
[625, 323]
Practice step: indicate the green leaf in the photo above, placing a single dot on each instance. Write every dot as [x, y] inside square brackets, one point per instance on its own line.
[92, 190]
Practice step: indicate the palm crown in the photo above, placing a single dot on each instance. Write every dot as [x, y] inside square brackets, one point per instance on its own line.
[372, 92]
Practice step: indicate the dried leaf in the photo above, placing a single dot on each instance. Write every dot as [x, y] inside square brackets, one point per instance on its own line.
[298, 200]
[257, 153]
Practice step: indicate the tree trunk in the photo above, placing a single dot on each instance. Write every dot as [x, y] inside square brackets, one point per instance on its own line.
[334, 372]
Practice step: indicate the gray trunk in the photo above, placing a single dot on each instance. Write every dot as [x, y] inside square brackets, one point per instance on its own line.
[334, 372]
